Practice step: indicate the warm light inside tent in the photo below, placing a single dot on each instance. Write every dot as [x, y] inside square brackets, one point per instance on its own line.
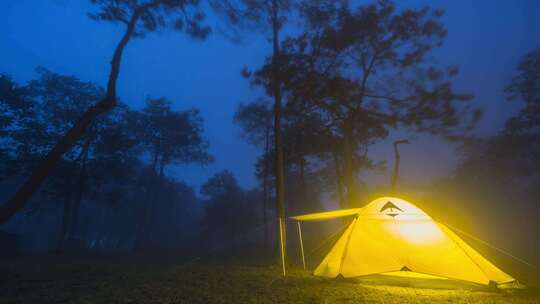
[417, 232]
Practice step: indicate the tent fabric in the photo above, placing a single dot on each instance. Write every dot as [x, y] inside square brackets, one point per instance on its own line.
[384, 207]
[391, 234]
[321, 216]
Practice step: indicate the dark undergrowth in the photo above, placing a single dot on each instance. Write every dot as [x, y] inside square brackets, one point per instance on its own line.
[167, 279]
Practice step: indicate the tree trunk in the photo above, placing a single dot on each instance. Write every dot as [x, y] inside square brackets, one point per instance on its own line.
[396, 168]
[280, 184]
[265, 186]
[303, 187]
[395, 174]
[80, 190]
[144, 217]
[162, 167]
[339, 182]
[65, 217]
[348, 171]
[154, 206]
[38, 175]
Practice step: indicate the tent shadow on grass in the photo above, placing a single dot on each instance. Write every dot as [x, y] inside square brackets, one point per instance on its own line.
[419, 282]
[381, 280]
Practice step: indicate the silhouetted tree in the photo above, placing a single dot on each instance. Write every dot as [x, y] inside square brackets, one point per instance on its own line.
[498, 176]
[255, 119]
[512, 155]
[105, 169]
[267, 15]
[139, 17]
[525, 86]
[16, 113]
[229, 215]
[59, 101]
[170, 137]
[112, 162]
[174, 217]
[364, 69]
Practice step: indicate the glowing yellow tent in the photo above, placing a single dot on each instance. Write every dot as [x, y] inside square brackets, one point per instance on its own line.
[390, 235]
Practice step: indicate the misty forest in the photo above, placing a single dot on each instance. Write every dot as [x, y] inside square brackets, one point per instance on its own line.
[269, 151]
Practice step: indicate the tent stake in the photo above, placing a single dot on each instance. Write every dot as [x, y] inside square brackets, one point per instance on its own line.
[282, 246]
[301, 244]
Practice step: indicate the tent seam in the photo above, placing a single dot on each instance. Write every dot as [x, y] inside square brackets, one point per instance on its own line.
[459, 246]
[353, 224]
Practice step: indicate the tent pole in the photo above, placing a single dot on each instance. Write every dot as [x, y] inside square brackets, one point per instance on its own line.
[301, 244]
[282, 246]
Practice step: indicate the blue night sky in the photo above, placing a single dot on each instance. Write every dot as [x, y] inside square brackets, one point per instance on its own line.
[486, 40]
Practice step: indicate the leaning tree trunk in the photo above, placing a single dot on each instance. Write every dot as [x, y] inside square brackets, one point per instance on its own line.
[280, 184]
[18, 201]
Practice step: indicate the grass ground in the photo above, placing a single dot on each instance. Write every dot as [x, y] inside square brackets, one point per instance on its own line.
[135, 280]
